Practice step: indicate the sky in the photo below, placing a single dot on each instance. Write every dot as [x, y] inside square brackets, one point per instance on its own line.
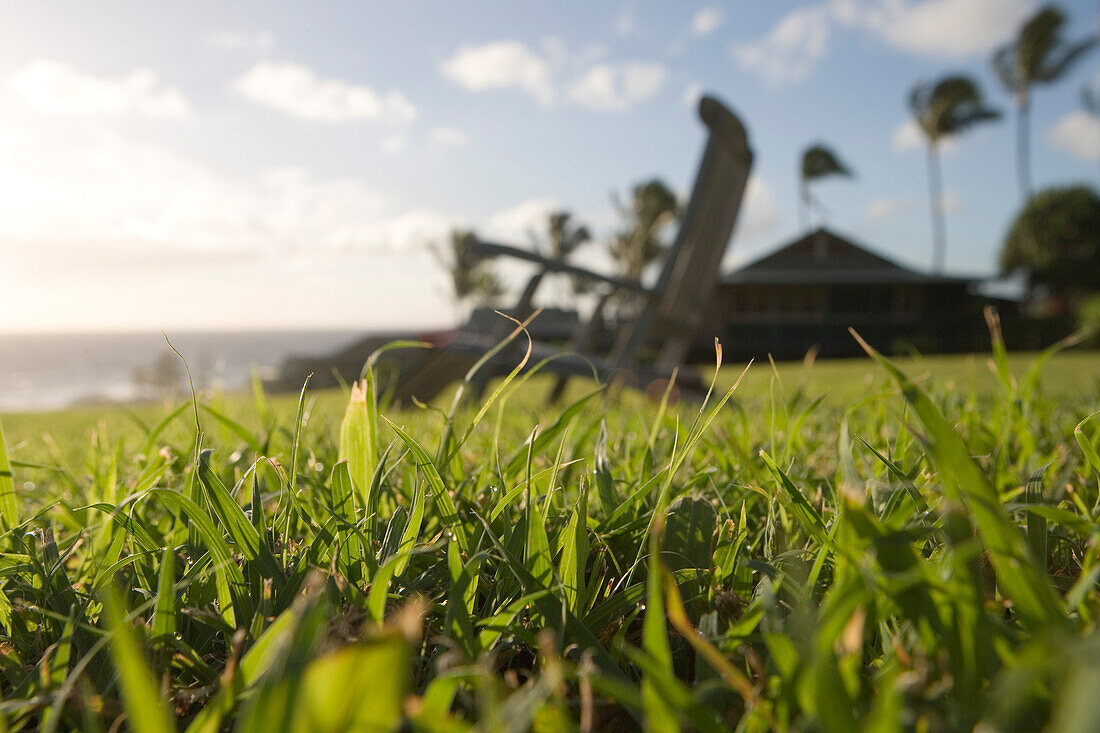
[290, 165]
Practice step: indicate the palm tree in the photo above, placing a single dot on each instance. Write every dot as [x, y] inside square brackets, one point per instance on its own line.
[564, 235]
[638, 245]
[941, 109]
[471, 277]
[1038, 55]
[563, 238]
[1090, 99]
[818, 161]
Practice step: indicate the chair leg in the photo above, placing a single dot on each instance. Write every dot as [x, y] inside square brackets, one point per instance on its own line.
[672, 352]
[480, 382]
[581, 343]
[559, 389]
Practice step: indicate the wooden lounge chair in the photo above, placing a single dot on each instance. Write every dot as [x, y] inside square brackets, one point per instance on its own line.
[669, 314]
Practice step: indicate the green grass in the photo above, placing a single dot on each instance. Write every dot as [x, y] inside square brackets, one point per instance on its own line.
[837, 546]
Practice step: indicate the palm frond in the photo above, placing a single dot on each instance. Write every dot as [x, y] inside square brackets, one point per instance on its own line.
[564, 235]
[819, 161]
[949, 106]
[652, 206]
[1063, 58]
[471, 276]
[1039, 53]
[1037, 39]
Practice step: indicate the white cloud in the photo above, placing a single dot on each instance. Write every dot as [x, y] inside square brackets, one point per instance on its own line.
[91, 192]
[706, 20]
[693, 92]
[53, 87]
[936, 29]
[501, 65]
[512, 65]
[886, 207]
[908, 136]
[617, 87]
[259, 41]
[449, 137]
[792, 48]
[300, 92]
[555, 51]
[1077, 133]
[414, 228]
[558, 55]
[517, 223]
[760, 213]
[395, 143]
[626, 20]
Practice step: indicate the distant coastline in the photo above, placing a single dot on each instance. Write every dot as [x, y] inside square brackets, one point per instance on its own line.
[53, 371]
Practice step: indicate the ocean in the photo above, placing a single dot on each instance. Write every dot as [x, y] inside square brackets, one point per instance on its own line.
[51, 371]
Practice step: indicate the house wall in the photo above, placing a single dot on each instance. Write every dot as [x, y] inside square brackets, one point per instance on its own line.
[786, 321]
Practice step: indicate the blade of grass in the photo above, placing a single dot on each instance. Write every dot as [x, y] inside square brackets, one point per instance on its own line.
[235, 521]
[444, 504]
[660, 716]
[537, 547]
[543, 438]
[1017, 570]
[358, 438]
[146, 711]
[236, 428]
[9, 503]
[232, 590]
[412, 531]
[164, 612]
[808, 517]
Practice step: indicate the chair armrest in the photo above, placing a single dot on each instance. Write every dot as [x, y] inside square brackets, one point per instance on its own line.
[489, 249]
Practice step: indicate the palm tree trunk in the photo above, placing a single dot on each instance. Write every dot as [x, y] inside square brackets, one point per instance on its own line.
[935, 195]
[804, 209]
[1023, 145]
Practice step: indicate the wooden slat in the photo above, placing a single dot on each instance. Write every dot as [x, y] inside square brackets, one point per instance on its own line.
[491, 249]
[690, 275]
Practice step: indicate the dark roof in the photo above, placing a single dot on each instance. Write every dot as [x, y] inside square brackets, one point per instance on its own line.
[822, 257]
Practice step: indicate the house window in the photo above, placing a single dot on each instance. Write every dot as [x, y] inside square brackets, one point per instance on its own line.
[907, 300]
[860, 299]
[792, 301]
[755, 300]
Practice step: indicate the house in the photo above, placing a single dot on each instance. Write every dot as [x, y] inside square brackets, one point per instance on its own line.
[808, 293]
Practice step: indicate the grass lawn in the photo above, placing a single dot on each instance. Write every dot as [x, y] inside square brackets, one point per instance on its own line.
[840, 545]
[841, 382]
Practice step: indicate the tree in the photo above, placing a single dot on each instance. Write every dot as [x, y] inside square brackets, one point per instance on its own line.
[565, 237]
[638, 244]
[1056, 240]
[471, 276]
[818, 161]
[1037, 55]
[941, 109]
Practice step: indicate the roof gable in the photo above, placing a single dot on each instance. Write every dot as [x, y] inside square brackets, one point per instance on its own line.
[822, 256]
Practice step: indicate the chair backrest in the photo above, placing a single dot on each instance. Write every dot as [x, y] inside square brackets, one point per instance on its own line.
[690, 274]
